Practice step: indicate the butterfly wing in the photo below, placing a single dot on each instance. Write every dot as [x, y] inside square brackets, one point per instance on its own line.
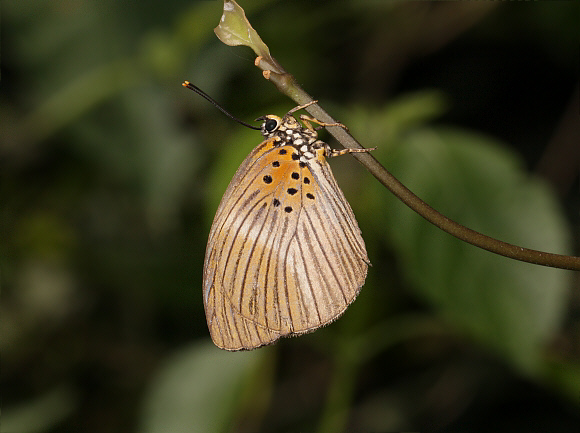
[285, 254]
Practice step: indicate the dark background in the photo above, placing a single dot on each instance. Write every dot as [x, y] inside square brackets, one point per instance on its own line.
[110, 173]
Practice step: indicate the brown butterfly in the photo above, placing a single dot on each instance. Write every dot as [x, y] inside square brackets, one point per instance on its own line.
[285, 254]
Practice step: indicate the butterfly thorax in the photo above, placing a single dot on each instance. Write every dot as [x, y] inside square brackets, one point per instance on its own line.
[287, 131]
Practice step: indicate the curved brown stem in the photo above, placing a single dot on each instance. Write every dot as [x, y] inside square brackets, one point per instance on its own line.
[288, 86]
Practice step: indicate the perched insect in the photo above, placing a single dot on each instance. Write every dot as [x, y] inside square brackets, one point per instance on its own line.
[285, 254]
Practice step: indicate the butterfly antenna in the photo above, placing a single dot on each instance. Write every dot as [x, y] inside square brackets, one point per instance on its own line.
[210, 99]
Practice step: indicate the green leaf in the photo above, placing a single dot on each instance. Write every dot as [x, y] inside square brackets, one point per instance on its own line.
[235, 29]
[196, 390]
[511, 306]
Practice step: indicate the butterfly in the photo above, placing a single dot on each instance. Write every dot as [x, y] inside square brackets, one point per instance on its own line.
[285, 254]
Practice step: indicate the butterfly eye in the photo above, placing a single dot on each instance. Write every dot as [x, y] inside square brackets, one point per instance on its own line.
[270, 125]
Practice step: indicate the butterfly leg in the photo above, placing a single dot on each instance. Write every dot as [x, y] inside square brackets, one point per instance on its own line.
[331, 153]
[300, 107]
[307, 119]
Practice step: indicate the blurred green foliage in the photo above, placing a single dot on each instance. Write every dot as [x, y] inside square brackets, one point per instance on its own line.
[110, 173]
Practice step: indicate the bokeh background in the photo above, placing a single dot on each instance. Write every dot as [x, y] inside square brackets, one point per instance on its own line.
[110, 173]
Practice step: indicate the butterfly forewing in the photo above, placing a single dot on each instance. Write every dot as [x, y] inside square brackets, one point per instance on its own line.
[285, 254]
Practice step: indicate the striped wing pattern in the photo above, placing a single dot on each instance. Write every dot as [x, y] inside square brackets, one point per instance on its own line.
[285, 254]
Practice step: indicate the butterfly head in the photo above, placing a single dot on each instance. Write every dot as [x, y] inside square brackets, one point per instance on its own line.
[286, 128]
